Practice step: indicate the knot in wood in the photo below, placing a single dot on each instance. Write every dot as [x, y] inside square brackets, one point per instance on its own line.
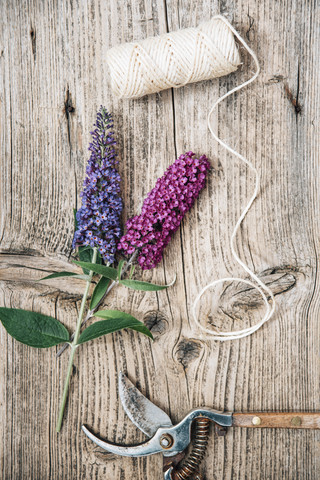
[187, 351]
[156, 321]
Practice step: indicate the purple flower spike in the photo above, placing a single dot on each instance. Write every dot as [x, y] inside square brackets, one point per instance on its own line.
[164, 208]
[99, 216]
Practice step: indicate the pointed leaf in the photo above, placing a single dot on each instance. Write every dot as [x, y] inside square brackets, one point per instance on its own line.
[33, 329]
[64, 274]
[145, 286]
[111, 325]
[117, 314]
[114, 314]
[132, 269]
[103, 270]
[120, 267]
[99, 291]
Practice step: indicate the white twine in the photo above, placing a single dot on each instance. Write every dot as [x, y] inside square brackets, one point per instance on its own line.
[262, 288]
[173, 59]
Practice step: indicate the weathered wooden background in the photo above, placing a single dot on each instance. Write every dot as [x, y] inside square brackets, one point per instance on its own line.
[53, 79]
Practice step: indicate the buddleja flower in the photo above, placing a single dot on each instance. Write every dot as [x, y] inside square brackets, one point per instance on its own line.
[99, 216]
[163, 209]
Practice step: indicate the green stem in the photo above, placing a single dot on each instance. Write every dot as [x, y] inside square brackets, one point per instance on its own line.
[74, 344]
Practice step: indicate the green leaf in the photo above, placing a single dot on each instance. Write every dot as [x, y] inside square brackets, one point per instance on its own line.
[114, 314]
[85, 255]
[117, 314]
[99, 291]
[103, 270]
[33, 329]
[120, 267]
[65, 274]
[111, 325]
[145, 286]
[132, 269]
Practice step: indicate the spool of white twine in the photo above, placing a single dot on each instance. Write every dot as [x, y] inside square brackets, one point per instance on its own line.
[173, 59]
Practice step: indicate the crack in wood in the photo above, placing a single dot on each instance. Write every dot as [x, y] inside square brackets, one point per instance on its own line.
[33, 42]
[251, 22]
[25, 270]
[68, 110]
[294, 100]
[277, 78]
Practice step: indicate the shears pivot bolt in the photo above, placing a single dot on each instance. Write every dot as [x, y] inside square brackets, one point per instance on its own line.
[166, 441]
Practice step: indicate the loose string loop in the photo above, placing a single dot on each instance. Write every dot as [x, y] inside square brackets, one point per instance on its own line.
[262, 288]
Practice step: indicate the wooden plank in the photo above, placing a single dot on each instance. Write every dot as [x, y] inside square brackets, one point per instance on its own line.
[53, 79]
[270, 370]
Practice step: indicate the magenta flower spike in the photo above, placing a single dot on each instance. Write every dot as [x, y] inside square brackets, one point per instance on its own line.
[164, 208]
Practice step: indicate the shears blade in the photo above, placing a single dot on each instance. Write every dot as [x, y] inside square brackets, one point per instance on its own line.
[150, 447]
[141, 411]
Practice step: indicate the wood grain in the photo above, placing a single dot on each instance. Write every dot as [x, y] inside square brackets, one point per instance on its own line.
[53, 79]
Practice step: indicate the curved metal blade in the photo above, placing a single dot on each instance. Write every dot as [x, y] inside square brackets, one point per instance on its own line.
[149, 447]
[143, 413]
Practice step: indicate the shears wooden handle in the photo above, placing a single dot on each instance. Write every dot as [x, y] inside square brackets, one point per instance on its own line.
[276, 420]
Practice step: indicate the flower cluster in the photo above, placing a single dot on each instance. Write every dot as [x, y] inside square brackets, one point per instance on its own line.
[163, 209]
[98, 218]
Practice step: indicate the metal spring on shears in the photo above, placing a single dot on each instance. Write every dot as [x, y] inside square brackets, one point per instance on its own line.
[190, 466]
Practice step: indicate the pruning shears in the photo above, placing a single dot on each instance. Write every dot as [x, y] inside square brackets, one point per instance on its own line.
[173, 440]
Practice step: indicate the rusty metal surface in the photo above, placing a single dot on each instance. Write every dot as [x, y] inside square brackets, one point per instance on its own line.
[143, 413]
